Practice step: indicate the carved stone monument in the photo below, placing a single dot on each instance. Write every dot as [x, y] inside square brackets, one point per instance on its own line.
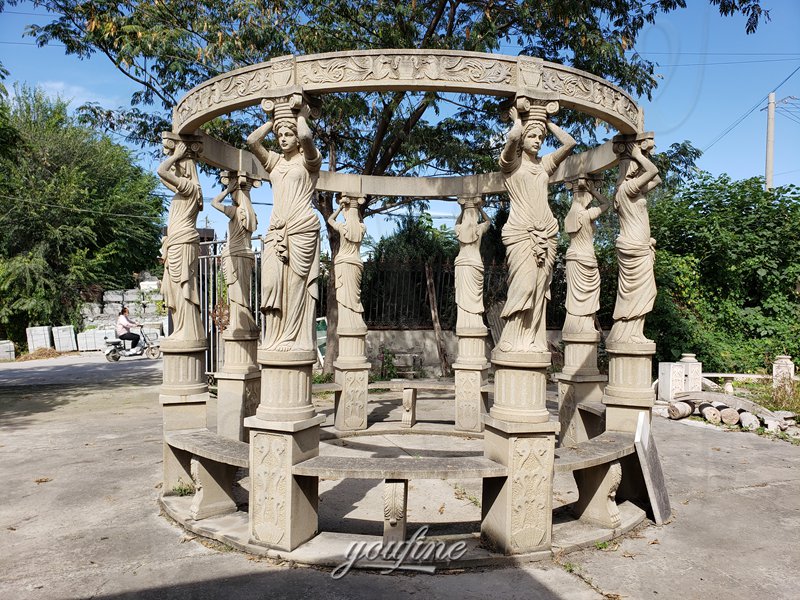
[184, 393]
[580, 379]
[285, 428]
[352, 367]
[471, 369]
[629, 389]
[239, 380]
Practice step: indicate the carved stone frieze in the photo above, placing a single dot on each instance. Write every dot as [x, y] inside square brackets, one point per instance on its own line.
[355, 399]
[221, 91]
[404, 67]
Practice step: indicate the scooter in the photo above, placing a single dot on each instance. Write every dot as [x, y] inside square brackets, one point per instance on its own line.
[149, 346]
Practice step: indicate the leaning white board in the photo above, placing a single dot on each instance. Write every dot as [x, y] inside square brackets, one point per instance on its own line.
[651, 470]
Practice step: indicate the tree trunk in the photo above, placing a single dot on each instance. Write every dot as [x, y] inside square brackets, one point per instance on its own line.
[437, 327]
[325, 207]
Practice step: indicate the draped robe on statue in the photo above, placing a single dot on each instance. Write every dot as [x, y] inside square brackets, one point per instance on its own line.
[237, 266]
[349, 268]
[469, 275]
[290, 263]
[582, 274]
[181, 253]
[636, 287]
[529, 236]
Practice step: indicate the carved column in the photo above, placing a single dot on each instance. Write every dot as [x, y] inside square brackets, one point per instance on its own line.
[694, 372]
[184, 392]
[285, 429]
[351, 365]
[239, 381]
[471, 368]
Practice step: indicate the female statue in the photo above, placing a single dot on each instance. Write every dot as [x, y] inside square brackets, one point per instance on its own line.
[237, 257]
[290, 262]
[636, 287]
[583, 277]
[469, 265]
[530, 233]
[180, 249]
[347, 265]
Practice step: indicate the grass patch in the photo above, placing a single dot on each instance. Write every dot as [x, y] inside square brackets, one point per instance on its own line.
[183, 489]
[761, 392]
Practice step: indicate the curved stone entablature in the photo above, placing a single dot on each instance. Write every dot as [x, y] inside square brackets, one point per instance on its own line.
[412, 70]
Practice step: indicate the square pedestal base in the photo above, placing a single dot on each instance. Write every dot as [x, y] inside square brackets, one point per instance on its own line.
[518, 509]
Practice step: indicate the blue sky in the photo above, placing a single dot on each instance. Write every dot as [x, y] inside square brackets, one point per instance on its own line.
[710, 75]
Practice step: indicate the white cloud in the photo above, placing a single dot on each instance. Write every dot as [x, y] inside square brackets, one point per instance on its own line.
[78, 95]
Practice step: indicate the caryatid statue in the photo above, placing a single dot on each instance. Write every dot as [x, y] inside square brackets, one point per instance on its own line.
[582, 274]
[238, 259]
[530, 233]
[290, 261]
[180, 249]
[469, 264]
[636, 287]
[347, 265]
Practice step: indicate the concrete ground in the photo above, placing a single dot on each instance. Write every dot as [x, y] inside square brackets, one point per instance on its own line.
[80, 463]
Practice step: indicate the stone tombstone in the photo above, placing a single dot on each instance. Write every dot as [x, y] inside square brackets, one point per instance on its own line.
[694, 373]
[671, 380]
[783, 373]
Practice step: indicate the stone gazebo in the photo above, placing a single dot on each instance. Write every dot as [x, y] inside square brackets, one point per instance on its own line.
[266, 421]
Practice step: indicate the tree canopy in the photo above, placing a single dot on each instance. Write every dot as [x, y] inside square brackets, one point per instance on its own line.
[169, 46]
[728, 273]
[79, 215]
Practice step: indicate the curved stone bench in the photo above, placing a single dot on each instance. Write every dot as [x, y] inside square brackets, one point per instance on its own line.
[396, 472]
[214, 460]
[409, 388]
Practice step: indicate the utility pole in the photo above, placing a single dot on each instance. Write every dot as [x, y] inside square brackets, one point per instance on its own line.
[770, 140]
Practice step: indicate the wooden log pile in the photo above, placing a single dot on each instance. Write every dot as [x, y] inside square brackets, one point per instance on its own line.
[749, 416]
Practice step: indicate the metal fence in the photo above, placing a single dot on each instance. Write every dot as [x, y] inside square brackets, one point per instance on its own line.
[394, 295]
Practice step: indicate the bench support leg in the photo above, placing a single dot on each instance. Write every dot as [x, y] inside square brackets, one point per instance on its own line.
[395, 497]
[214, 488]
[597, 490]
[409, 407]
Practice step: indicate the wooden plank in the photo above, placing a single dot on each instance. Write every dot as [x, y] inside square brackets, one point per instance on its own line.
[651, 470]
[202, 442]
[458, 467]
[599, 450]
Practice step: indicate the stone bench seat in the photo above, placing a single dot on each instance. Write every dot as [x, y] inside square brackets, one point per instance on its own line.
[340, 467]
[319, 388]
[212, 461]
[605, 448]
[396, 472]
[206, 444]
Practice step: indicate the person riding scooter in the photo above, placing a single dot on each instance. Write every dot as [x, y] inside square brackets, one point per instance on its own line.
[124, 332]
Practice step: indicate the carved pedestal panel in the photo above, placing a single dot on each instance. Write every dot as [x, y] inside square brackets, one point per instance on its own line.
[520, 386]
[573, 390]
[286, 385]
[183, 399]
[629, 390]
[694, 373]
[580, 353]
[471, 374]
[517, 509]
[283, 507]
[352, 373]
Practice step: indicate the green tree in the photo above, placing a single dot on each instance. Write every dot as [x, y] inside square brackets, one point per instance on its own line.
[79, 216]
[169, 46]
[728, 273]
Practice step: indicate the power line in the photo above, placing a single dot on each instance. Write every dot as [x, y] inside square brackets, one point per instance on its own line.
[736, 123]
[33, 44]
[735, 62]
